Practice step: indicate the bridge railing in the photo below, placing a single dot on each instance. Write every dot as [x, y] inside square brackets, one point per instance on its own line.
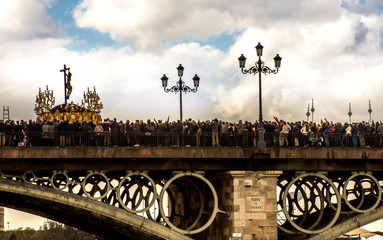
[204, 139]
[134, 139]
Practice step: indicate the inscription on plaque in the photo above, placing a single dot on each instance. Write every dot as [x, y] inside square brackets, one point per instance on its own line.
[255, 204]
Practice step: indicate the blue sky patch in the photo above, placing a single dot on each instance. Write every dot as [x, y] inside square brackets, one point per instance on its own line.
[222, 41]
[84, 39]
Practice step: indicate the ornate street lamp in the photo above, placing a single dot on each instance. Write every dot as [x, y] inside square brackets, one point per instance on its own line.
[349, 111]
[369, 109]
[260, 68]
[312, 111]
[308, 112]
[180, 85]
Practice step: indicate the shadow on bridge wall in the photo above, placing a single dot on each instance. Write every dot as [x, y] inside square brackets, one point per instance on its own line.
[91, 216]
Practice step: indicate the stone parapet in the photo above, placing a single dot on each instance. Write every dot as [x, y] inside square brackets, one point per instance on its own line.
[189, 152]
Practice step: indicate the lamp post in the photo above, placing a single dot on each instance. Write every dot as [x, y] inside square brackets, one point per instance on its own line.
[312, 111]
[260, 68]
[308, 112]
[369, 109]
[349, 111]
[180, 85]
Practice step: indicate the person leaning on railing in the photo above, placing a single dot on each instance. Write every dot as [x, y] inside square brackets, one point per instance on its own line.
[361, 134]
[98, 131]
[295, 131]
[325, 132]
[107, 132]
[2, 133]
[214, 133]
[191, 133]
[136, 132]
[368, 135]
[114, 129]
[305, 131]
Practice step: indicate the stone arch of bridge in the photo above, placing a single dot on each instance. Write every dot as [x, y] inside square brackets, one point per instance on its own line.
[92, 216]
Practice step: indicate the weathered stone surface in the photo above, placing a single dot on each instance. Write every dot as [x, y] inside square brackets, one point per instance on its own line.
[254, 210]
[200, 152]
[201, 158]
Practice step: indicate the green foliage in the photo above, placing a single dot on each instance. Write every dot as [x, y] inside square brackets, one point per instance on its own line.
[50, 230]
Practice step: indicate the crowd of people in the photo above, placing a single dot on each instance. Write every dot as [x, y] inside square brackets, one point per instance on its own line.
[190, 133]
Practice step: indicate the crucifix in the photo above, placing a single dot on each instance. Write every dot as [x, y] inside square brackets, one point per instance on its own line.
[67, 85]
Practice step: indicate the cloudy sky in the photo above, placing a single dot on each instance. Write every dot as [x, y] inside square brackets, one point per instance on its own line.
[331, 50]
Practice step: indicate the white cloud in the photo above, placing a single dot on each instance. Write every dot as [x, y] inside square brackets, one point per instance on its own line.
[150, 24]
[26, 20]
[334, 59]
[323, 61]
[127, 81]
[364, 7]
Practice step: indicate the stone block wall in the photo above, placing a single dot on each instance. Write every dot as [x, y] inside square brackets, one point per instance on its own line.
[251, 201]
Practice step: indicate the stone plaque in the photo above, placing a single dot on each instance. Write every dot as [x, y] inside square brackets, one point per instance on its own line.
[248, 182]
[255, 204]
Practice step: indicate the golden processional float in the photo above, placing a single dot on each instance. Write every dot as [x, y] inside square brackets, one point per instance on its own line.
[89, 110]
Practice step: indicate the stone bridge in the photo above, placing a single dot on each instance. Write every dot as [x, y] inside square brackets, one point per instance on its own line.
[196, 193]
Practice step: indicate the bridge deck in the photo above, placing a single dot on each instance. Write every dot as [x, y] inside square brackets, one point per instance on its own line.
[206, 158]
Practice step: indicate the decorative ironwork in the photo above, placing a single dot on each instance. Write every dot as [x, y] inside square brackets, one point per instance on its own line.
[180, 87]
[91, 101]
[311, 203]
[259, 68]
[186, 202]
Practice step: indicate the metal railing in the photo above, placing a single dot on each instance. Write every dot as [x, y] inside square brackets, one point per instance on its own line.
[175, 139]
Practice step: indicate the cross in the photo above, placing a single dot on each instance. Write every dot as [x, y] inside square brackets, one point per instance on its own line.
[67, 85]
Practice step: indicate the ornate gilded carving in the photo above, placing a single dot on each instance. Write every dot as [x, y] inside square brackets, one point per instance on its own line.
[88, 111]
[44, 102]
[92, 101]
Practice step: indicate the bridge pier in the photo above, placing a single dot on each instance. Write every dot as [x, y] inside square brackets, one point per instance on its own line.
[251, 201]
